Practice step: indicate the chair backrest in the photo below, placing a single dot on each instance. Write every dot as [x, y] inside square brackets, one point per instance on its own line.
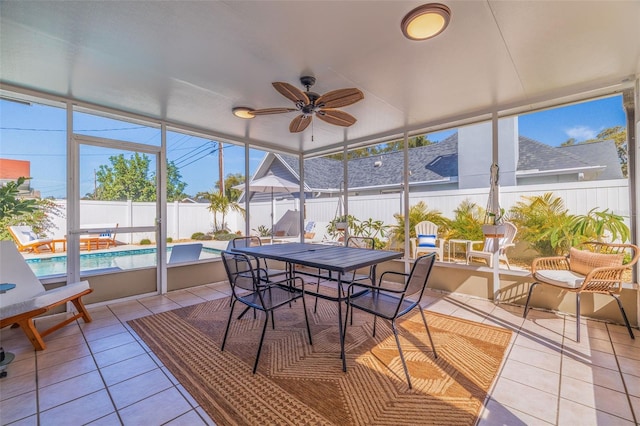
[361, 242]
[110, 233]
[418, 277]
[23, 233]
[243, 242]
[14, 270]
[509, 234]
[240, 271]
[426, 228]
[594, 254]
[185, 253]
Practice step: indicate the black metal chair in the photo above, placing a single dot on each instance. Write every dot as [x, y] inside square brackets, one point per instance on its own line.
[357, 242]
[391, 302]
[248, 289]
[251, 241]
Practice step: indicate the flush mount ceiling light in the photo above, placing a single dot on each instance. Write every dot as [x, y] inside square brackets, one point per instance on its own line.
[426, 21]
[243, 112]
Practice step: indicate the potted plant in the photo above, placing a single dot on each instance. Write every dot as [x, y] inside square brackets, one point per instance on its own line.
[341, 223]
[494, 228]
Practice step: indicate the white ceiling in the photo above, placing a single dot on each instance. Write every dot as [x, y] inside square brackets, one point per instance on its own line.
[190, 63]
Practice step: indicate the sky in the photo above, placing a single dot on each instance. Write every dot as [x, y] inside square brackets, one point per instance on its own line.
[36, 133]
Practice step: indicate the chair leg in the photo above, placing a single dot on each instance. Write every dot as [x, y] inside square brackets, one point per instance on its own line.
[578, 317]
[244, 312]
[526, 305]
[404, 364]
[306, 319]
[82, 310]
[226, 332]
[264, 329]
[624, 316]
[424, 320]
[32, 333]
[374, 325]
[315, 306]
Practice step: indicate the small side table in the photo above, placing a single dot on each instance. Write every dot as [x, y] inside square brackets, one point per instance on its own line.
[453, 243]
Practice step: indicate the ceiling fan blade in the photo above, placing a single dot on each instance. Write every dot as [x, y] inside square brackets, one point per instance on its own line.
[336, 117]
[291, 92]
[340, 98]
[267, 111]
[299, 123]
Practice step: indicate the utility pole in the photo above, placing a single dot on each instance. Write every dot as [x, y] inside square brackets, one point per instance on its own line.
[221, 167]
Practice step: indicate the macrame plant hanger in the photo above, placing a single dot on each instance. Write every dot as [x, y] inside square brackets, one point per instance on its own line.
[493, 213]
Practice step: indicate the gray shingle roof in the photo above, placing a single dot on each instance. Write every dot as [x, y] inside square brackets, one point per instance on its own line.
[440, 161]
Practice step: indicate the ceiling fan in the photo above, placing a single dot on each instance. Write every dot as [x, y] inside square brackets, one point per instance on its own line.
[310, 104]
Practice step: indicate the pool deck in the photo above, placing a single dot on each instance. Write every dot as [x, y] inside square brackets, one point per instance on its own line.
[212, 244]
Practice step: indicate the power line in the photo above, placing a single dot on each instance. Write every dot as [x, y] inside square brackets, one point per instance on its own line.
[195, 151]
[78, 130]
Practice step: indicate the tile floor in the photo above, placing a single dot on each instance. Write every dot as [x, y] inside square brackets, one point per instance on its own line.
[101, 374]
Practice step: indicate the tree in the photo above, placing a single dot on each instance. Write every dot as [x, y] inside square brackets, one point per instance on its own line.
[131, 179]
[219, 203]
[15, 210]
[370, 151]
[11, 204]
[230, 181]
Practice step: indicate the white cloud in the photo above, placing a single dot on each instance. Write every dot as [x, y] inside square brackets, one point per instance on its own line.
[581, 133]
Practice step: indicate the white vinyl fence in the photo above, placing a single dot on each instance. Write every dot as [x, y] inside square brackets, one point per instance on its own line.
[184, 219]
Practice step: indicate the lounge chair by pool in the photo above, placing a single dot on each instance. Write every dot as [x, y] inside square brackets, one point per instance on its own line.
[27, 240]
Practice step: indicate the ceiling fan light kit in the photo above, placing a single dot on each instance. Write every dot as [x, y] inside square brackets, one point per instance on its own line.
[311, 104]
[243, 112]
[426, 21]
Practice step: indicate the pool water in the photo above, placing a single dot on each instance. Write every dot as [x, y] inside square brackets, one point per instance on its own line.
[113, 260]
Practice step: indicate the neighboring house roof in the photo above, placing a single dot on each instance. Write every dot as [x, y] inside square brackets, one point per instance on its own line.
[439, 162]
[603, 153]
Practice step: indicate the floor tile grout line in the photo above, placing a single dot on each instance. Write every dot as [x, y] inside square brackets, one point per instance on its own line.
[159, 367]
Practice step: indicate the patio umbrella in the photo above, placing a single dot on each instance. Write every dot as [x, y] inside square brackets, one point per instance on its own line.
[271, 184]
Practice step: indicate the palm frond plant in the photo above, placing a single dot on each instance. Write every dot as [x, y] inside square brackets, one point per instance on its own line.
[467, 222]
[419, 213]
[543, 222]
[220, 203]
[599, 226]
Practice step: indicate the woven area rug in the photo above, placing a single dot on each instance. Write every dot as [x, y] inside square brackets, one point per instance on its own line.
[301, 384]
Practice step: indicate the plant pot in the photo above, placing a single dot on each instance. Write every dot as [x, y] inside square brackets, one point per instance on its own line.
[493, 231]
[341, 226]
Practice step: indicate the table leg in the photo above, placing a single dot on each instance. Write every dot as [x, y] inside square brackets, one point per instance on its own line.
[340, 328]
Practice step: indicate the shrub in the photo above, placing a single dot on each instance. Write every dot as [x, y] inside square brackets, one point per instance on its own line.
[169, 239]
[197, 236]
[224, 236]
[145, 242]
[419, 213]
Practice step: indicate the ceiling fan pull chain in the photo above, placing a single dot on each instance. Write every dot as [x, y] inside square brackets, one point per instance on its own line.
[311, 130]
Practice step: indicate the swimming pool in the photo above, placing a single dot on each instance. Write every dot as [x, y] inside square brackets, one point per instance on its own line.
[123, 259]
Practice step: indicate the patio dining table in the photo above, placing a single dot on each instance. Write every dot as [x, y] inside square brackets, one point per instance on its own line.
[339, 259]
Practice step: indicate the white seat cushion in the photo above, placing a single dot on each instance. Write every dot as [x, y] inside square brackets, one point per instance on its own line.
[43, 299]
[560, 278]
